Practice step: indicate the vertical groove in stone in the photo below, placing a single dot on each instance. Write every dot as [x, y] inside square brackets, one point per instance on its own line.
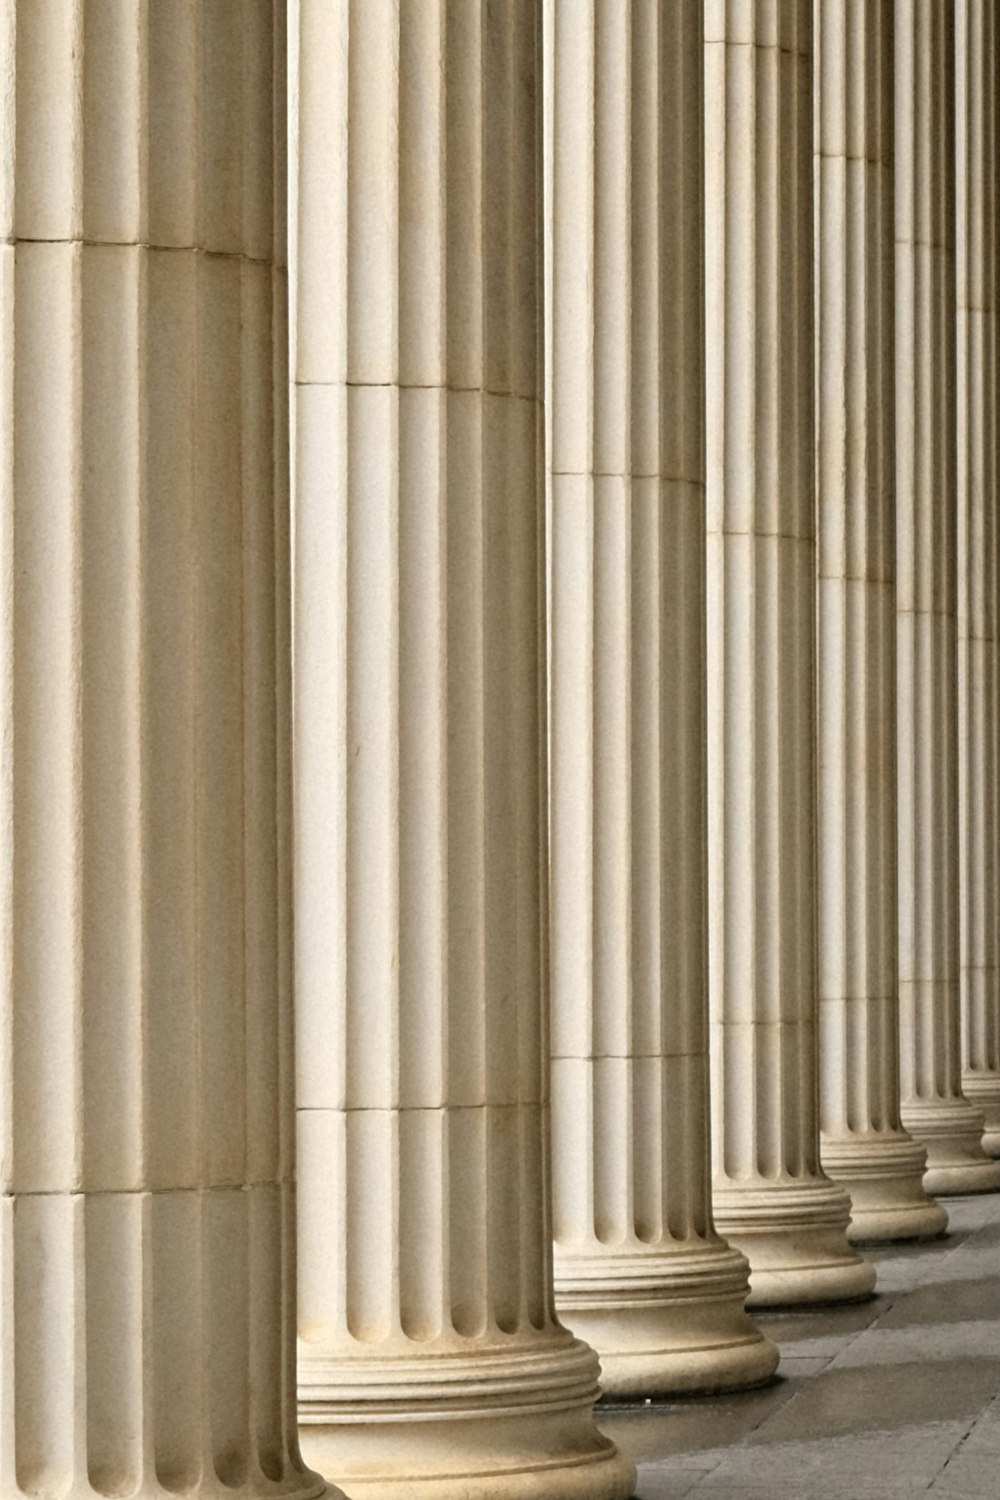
[146, 1204]
[420, 858]
[933, 1106]
[977, 162]
[771, 1197]
[629, 1037]
[863, 1144]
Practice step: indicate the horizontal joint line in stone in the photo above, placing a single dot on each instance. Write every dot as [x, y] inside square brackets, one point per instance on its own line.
[718, 41]
[399, 385]
[693, 484]
[147, 1192]
[916, 241]
[872, 161]
[252, 260]
[846, 577]
[856, 999]
[412, 1109]
[758, 533]
[660, 1056]
[759, 1020]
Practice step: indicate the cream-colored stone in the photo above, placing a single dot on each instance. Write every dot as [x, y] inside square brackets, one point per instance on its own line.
[977, 161]
[933, 1106]
[863, 1145]
[640, 1271]
[147, 1219]
[771, 1198]
[431, 1359]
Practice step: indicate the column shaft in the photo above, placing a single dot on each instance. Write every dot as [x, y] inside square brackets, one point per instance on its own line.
[863, 1144]
[640, 1271]
[771, 1198]
[977, 247]
[933, 1106]
[431, 1358]
[147, 1214]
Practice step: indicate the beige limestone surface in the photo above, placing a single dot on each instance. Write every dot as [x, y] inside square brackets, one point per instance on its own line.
[863, 1144]
[431, 1359]
[146, 1136]
[934, 1108]
[772, 1199]
[977, 162]
[640, 1271]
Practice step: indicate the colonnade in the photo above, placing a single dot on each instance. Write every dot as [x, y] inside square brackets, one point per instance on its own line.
[642, 724]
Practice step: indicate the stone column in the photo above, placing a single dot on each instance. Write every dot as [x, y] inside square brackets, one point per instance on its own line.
[431, 1361]
[640, 1271]
[147, 1248]
[772, 1200]
[977, 202]
[933, 1106]
[863, 1144]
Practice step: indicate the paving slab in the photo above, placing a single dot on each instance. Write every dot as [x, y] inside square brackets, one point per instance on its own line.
[883, 1400]
[660, 1484]
[971, 1473]
[959, 1301]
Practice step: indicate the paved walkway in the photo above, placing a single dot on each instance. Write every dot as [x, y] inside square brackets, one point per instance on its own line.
[886, 1400]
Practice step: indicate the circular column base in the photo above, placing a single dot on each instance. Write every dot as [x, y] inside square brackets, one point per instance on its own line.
[665, 1322]
[794, 1234]
[952, 1131]
[512, 1423]
[982, 1090]
[883, 1172]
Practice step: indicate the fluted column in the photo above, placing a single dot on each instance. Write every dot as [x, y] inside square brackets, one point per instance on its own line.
[933, 1106]
[771, 1198]
[431, 1360]
[640, 1271]
[977, 247]
[146, 1313]
[863, 1145]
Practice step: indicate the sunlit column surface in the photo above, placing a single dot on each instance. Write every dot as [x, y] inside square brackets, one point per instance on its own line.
[863, 1145]
[771, 1198]
[147, 1262]
[933, 1106]
[431, 1361]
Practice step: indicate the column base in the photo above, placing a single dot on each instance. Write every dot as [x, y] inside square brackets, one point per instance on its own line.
[952, 1131]
[883, 1171]
[794, 1234]
[982, 1089]
[512, 1423]
[665, 1322]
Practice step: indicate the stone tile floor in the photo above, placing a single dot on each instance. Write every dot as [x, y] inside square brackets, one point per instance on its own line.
[895, 1397]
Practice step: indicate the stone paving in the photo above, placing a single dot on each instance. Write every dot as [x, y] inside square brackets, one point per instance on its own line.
[895, 1397]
